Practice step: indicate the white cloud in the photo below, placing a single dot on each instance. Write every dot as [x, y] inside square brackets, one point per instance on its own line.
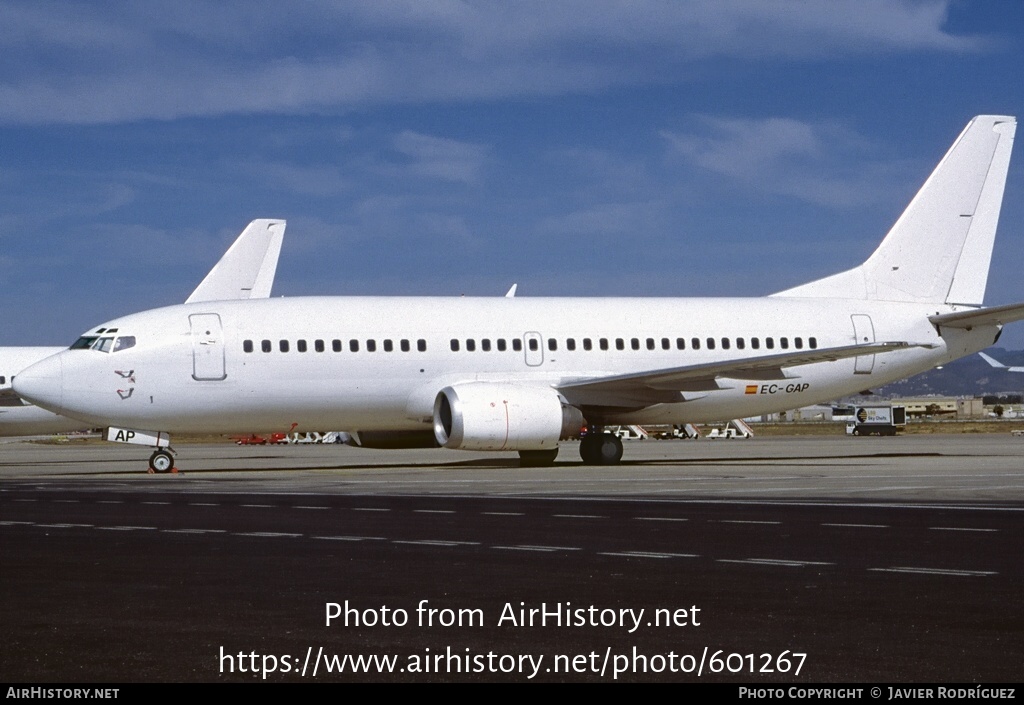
[126, 61]
[440, 157]
[627, 222]
[785, 157]
[319, 180]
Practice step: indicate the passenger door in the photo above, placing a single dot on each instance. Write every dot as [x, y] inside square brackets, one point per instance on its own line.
[207, 347]
[863, 332]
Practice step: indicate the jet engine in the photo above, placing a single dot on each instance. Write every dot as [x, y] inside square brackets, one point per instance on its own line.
[496, 416]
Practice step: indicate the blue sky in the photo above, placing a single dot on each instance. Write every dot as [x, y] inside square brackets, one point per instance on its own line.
[714, 147]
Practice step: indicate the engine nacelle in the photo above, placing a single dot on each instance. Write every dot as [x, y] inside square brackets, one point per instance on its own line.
[496, 416]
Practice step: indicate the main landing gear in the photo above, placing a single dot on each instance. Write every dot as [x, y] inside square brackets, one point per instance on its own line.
[599, 448]
[162, 461]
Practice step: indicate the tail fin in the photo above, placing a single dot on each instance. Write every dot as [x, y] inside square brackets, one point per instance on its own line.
[247, 269]
[940, 248]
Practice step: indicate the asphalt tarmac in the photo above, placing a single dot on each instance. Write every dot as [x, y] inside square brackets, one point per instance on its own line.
[759, 561]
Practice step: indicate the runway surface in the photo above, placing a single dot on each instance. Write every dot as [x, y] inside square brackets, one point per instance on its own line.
[769, 560]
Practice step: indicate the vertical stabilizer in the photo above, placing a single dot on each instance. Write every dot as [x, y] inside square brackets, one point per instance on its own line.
[247, 269]
[940, 248]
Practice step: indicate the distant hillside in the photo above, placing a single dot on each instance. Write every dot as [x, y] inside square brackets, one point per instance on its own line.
[968, 376]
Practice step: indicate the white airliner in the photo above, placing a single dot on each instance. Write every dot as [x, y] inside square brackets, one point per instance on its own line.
[521, 374]
[246, 271]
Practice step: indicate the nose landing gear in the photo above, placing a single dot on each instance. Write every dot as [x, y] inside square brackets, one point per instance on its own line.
[162, 461]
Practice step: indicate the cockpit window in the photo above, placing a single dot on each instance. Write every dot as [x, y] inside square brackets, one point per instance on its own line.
[83, 343]
[124, 342]
[103, 344]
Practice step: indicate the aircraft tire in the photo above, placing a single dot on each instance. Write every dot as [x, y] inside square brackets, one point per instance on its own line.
[588, 449]
[161, 461]
[601, 449]
[609, 449]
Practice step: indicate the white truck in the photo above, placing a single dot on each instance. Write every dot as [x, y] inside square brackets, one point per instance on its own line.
[877, 420]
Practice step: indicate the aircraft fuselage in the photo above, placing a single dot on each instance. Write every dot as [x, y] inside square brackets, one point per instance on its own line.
[378, 363]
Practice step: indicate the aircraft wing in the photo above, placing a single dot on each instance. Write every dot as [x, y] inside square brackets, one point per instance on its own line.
[247, 269]
[672, 384]
[995, 315]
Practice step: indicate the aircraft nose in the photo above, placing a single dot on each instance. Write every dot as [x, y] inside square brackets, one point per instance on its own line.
[42, 383]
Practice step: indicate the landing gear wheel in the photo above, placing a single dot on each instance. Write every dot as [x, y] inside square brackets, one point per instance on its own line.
[161, 461]
[537, 458]
[588, 448]
[601, 449]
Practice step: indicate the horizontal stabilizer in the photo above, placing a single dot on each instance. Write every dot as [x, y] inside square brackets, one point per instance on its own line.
[993, 316]
[998, 365]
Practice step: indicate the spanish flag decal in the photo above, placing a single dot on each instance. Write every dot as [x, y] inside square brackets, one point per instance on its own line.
[751, 389]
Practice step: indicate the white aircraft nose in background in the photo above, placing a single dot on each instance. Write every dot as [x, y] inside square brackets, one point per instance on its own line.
[43, 382]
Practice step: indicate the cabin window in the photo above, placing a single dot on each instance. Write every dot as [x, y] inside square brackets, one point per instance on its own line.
[784, 343]
[725, 343]
[421, 345]
[798, 343]
[266, 346]
[552, 344]
[389, 345]
[353, 345]
[588, 344]
[740, 343]
[666, 344]
[680, 343]
[371, 346]
[534, 346]
[300, 345]
[755, 343]
[502, 345]
[318, 345]
[813, 342]
[404, 345]
[336, 345]
[485, 344]
[283, 345]
[455, 344]
[634, 343]
[695, 343]
[247, 346]
[517, 344]
[570, 343]
[650, 343]
[470, 345]
[620, 344]
[711, 343]
[769, 343]
[604, 343]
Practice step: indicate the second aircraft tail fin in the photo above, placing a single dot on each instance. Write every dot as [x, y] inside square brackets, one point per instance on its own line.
[247, 269]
